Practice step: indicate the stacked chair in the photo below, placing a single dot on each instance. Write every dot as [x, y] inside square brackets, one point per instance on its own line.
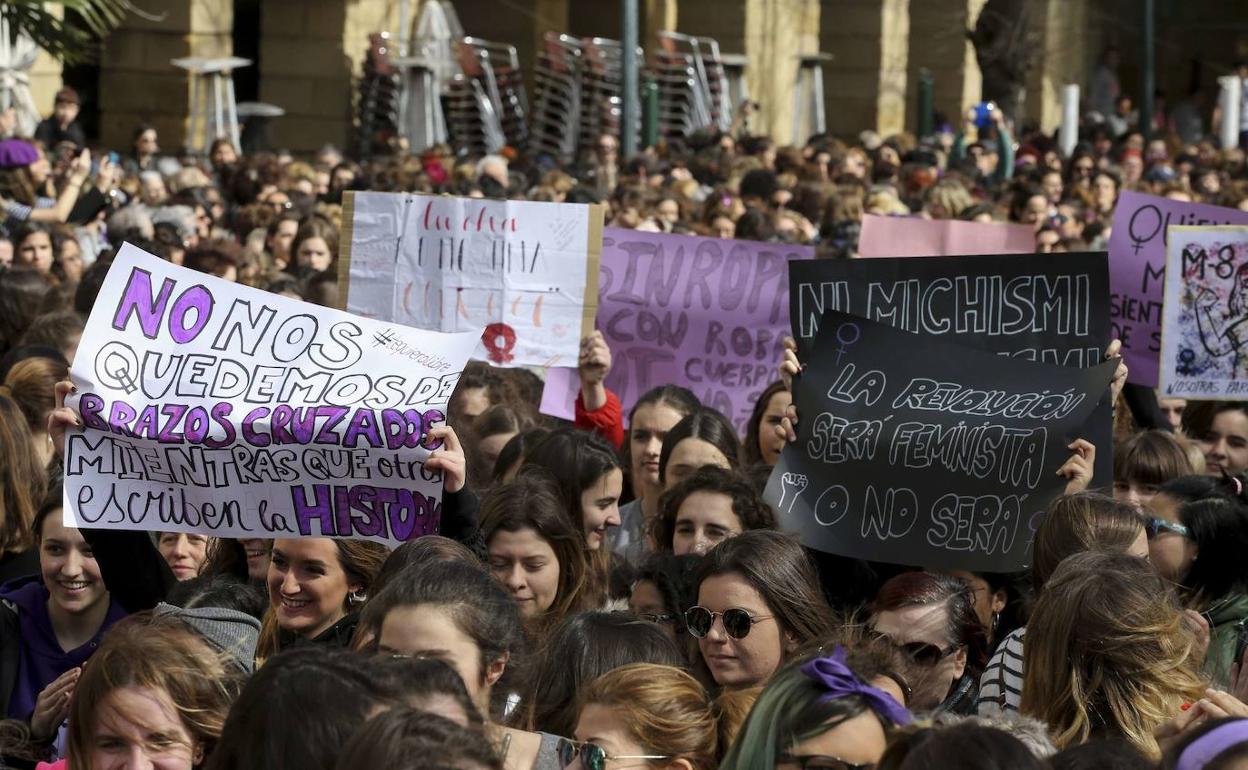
[555, 126]
[377, 99]
[693, 87]
[486, 105]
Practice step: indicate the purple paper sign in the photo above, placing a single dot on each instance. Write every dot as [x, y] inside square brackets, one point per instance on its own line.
[704, 313]
[1137, 270]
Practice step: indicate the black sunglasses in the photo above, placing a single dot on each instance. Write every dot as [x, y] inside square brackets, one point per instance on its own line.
[593, 756]
[820, 762]
[922, 653]
[737, 622]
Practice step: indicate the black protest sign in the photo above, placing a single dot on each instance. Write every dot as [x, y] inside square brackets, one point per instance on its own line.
[1051, 308]
[915, 450]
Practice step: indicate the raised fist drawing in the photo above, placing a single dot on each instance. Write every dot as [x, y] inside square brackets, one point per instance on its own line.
[791, 486]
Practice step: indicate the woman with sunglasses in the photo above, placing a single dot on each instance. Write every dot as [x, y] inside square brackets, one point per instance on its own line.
[931, 619]
[758, 602]
[644, 716]
[816, 714]
[1198, 534]
[1072, 524]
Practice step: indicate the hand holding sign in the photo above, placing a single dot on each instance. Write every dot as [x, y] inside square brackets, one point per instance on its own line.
[62, 418]
[914, 450]
[213, 408]
[1078, 469]
[449, 458]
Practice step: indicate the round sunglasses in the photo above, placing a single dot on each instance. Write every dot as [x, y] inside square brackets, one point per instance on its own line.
[593, 756]
[922, 653]
[737, 622]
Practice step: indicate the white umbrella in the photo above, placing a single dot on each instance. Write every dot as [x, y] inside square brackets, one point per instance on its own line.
[438, 31]
[16, 59]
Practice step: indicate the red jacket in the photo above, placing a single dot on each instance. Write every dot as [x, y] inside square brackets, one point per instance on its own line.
[607, 421]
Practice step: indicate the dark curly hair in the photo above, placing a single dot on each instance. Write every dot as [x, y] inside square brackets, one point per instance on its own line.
[749, 508]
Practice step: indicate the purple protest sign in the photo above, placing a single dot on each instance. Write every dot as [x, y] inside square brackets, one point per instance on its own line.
[1137, 270]
[705, 313]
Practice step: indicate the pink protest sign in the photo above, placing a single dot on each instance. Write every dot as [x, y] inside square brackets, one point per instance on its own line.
[705, 313]
[915, 237]
[1137, 271]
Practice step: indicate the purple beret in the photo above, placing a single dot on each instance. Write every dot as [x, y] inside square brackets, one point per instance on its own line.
[15, 153]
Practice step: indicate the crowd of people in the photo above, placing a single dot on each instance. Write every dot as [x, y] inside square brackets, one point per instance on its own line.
[612, 592]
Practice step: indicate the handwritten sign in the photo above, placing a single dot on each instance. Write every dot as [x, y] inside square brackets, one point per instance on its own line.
[918, 237]
[1051, 308]
[1204, 352]
[524, 272]
[215, 408]
[705, 313]
[915, 450]
[1137, 264]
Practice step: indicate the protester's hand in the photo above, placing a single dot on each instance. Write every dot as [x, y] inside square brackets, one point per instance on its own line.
[1219, 705]
[790, 367]
[80, 168]
[1078, 469]
[62, 418]
[787, 429]
[52, 705]
[1120, 374]
[1170, 731]
[448, 458]
[595, 359]
[1199, 626]
[1239, 678]
[106, 176]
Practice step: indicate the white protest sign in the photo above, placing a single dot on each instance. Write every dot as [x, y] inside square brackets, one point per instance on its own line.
[1204, 324]
[216, 408]
[525, 272]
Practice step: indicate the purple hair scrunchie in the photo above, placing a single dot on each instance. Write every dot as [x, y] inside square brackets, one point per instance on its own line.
[831, 673]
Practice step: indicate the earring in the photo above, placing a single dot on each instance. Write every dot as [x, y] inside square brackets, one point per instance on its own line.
[996, 620]
[357, 597]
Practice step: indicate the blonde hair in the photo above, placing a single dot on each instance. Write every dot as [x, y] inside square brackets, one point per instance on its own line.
[158, 654]
[951, 196]
[1107, 652]
[663, 708]
[734, 706]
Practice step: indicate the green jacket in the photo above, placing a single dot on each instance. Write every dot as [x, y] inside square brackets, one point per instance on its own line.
[1224, 616]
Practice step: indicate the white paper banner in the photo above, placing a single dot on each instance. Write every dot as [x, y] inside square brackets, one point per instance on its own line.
[520, 270]
[216, 408]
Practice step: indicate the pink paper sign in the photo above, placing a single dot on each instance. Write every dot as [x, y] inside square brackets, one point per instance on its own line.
[915, 237]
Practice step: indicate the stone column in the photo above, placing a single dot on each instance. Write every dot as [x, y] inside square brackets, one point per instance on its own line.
[938, 43]
[866, 86]
[1068, 53]
[137, 82]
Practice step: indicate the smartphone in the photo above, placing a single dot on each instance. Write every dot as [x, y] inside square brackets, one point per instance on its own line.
[1241, 641]
[983, 114]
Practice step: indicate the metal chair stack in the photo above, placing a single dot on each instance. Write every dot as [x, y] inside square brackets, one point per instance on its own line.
[555, 121]
[693, 87]
[602, 89]
[487, 107]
